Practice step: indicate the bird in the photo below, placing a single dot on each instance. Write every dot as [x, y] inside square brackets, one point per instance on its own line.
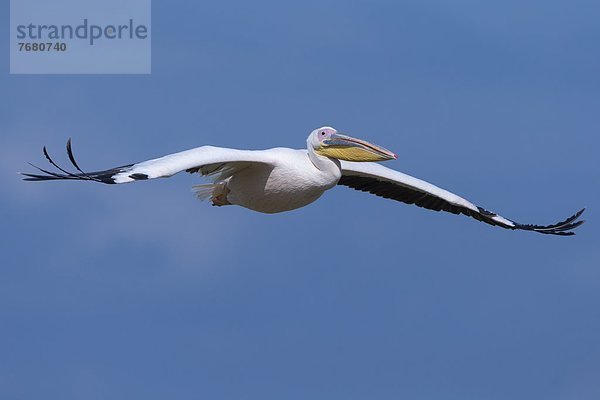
[281, 179]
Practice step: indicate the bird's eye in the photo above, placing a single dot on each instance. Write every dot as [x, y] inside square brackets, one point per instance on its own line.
[322, 133]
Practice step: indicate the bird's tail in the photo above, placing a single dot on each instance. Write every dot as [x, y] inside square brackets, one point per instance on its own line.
[217, 192]
[205, 191]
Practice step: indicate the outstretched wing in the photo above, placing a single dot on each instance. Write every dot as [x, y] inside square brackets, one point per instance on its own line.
[381, 181]
[206, 160]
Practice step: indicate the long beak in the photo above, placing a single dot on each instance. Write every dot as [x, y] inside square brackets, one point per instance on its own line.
[348, 148]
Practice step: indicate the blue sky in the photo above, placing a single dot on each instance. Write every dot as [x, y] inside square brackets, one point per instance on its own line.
[141, 291]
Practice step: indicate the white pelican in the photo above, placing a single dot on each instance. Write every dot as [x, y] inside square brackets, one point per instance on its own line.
[281, 179]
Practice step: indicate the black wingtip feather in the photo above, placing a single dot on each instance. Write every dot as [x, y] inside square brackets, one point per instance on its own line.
[47, 155]
[99, 176]
[563, 228]
[72, 159]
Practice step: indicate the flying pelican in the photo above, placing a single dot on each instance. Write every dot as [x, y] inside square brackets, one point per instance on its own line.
[282, 179]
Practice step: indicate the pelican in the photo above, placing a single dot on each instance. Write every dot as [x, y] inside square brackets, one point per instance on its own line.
[282, 179]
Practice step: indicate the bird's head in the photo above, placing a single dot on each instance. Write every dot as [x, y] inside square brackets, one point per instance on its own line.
[328, 142]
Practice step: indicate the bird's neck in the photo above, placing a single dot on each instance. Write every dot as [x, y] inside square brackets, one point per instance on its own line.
[326, 165]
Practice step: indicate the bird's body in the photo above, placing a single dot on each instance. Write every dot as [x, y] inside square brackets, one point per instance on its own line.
[282, 179]
[289, 181]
